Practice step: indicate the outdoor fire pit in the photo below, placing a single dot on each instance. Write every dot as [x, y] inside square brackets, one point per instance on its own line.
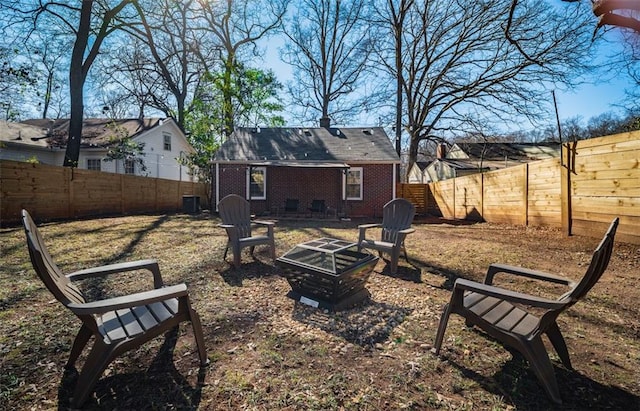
[327, 273]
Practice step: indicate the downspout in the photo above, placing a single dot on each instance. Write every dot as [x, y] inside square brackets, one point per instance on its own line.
[217, 193]
[395, 188]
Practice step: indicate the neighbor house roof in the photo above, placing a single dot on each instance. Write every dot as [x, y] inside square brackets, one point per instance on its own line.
[512, 151]
[283, 146]
[96, 132]
[19, 133]
[463, 164]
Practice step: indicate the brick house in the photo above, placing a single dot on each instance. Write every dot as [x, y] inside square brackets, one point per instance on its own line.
[352, 169]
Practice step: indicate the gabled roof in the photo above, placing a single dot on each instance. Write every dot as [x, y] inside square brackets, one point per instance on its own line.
[422, 164]
[19, 133]
[295, 145]
[512, 151]
[96, 132]
[463, 164]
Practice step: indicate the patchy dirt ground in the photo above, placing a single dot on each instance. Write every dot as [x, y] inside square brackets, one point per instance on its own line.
[268, 352]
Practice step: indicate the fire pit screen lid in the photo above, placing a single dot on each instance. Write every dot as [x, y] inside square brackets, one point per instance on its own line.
[327, 254]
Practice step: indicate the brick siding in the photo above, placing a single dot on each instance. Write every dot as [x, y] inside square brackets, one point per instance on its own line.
[307, 184]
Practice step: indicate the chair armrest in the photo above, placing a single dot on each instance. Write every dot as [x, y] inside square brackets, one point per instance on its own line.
[262, 222]
[362, 232]
[407, 231]
[524, 272]
[462, 285]
[365, 226]
[128, 301]
[151, 265]
[226, 226]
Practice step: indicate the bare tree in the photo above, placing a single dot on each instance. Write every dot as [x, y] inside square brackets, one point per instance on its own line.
[169, 31]
[130, 83]
[465, 64]
[90, 22]
[47, 53]
[15, 78]
[236, 26]
[331, 42]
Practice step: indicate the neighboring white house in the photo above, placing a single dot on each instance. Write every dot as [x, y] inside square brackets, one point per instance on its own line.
[44, 141]
[417, 174]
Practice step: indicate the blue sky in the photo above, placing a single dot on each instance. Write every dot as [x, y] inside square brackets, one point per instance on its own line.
[587, 100]
[591, 100]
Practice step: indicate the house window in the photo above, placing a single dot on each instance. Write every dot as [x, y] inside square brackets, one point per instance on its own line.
[257, 183]
[167, 141]
[94, 164]
[353, 184]
[129, 166]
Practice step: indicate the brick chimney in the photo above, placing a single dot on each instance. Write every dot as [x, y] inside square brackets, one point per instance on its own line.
[325, 122]
[441, 151]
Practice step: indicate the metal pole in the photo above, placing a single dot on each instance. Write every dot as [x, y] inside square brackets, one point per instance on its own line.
[555, 104]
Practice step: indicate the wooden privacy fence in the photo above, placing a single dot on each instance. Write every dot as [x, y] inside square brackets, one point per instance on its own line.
[51, 192]
[594, 181]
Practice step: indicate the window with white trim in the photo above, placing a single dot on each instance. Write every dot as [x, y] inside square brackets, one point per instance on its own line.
[353, 183]
[167, 141]
[94, 164]
[129, 166]
[257, 183]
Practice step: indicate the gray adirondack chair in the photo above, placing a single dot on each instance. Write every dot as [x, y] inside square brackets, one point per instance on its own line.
[318, 207]
[117, 324]
[236, 220]
[505, 314]
[397, 216]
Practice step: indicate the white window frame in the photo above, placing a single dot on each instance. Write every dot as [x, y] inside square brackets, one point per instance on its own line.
[263, 170]
[97, 160]
[129, 161]
[344, 183]
[166, 141]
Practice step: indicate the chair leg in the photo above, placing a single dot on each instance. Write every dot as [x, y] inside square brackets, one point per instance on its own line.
[236, 256]
[98, 359]
[555, 336]
[536, 354]
[224, 257]
[406, 256]
[272, 245]
[197, 333]
[78, 345]
[394, 257]
[442, 326]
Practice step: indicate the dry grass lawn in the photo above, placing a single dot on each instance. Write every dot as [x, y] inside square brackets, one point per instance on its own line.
[268, 352]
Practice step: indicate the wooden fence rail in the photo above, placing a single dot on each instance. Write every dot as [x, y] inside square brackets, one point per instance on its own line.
[51, 192]
[582, 191]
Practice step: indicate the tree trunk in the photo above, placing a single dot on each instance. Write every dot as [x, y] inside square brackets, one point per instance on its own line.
[76, 84]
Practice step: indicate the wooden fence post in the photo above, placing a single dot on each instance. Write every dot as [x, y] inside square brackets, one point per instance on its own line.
[566, 168]
[482, 174]
[68, 173]
[525, 193]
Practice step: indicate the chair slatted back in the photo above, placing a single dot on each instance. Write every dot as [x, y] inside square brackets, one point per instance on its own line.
[317, 206]
[291, 204]
[599, 262]
[236, 211]
[397, 215]
[56, 282]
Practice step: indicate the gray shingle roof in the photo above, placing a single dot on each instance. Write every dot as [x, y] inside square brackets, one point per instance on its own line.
[513, 151]
[319, 144]
[95, 131]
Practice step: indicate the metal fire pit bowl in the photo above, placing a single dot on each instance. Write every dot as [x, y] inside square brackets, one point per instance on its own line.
[327, 273]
